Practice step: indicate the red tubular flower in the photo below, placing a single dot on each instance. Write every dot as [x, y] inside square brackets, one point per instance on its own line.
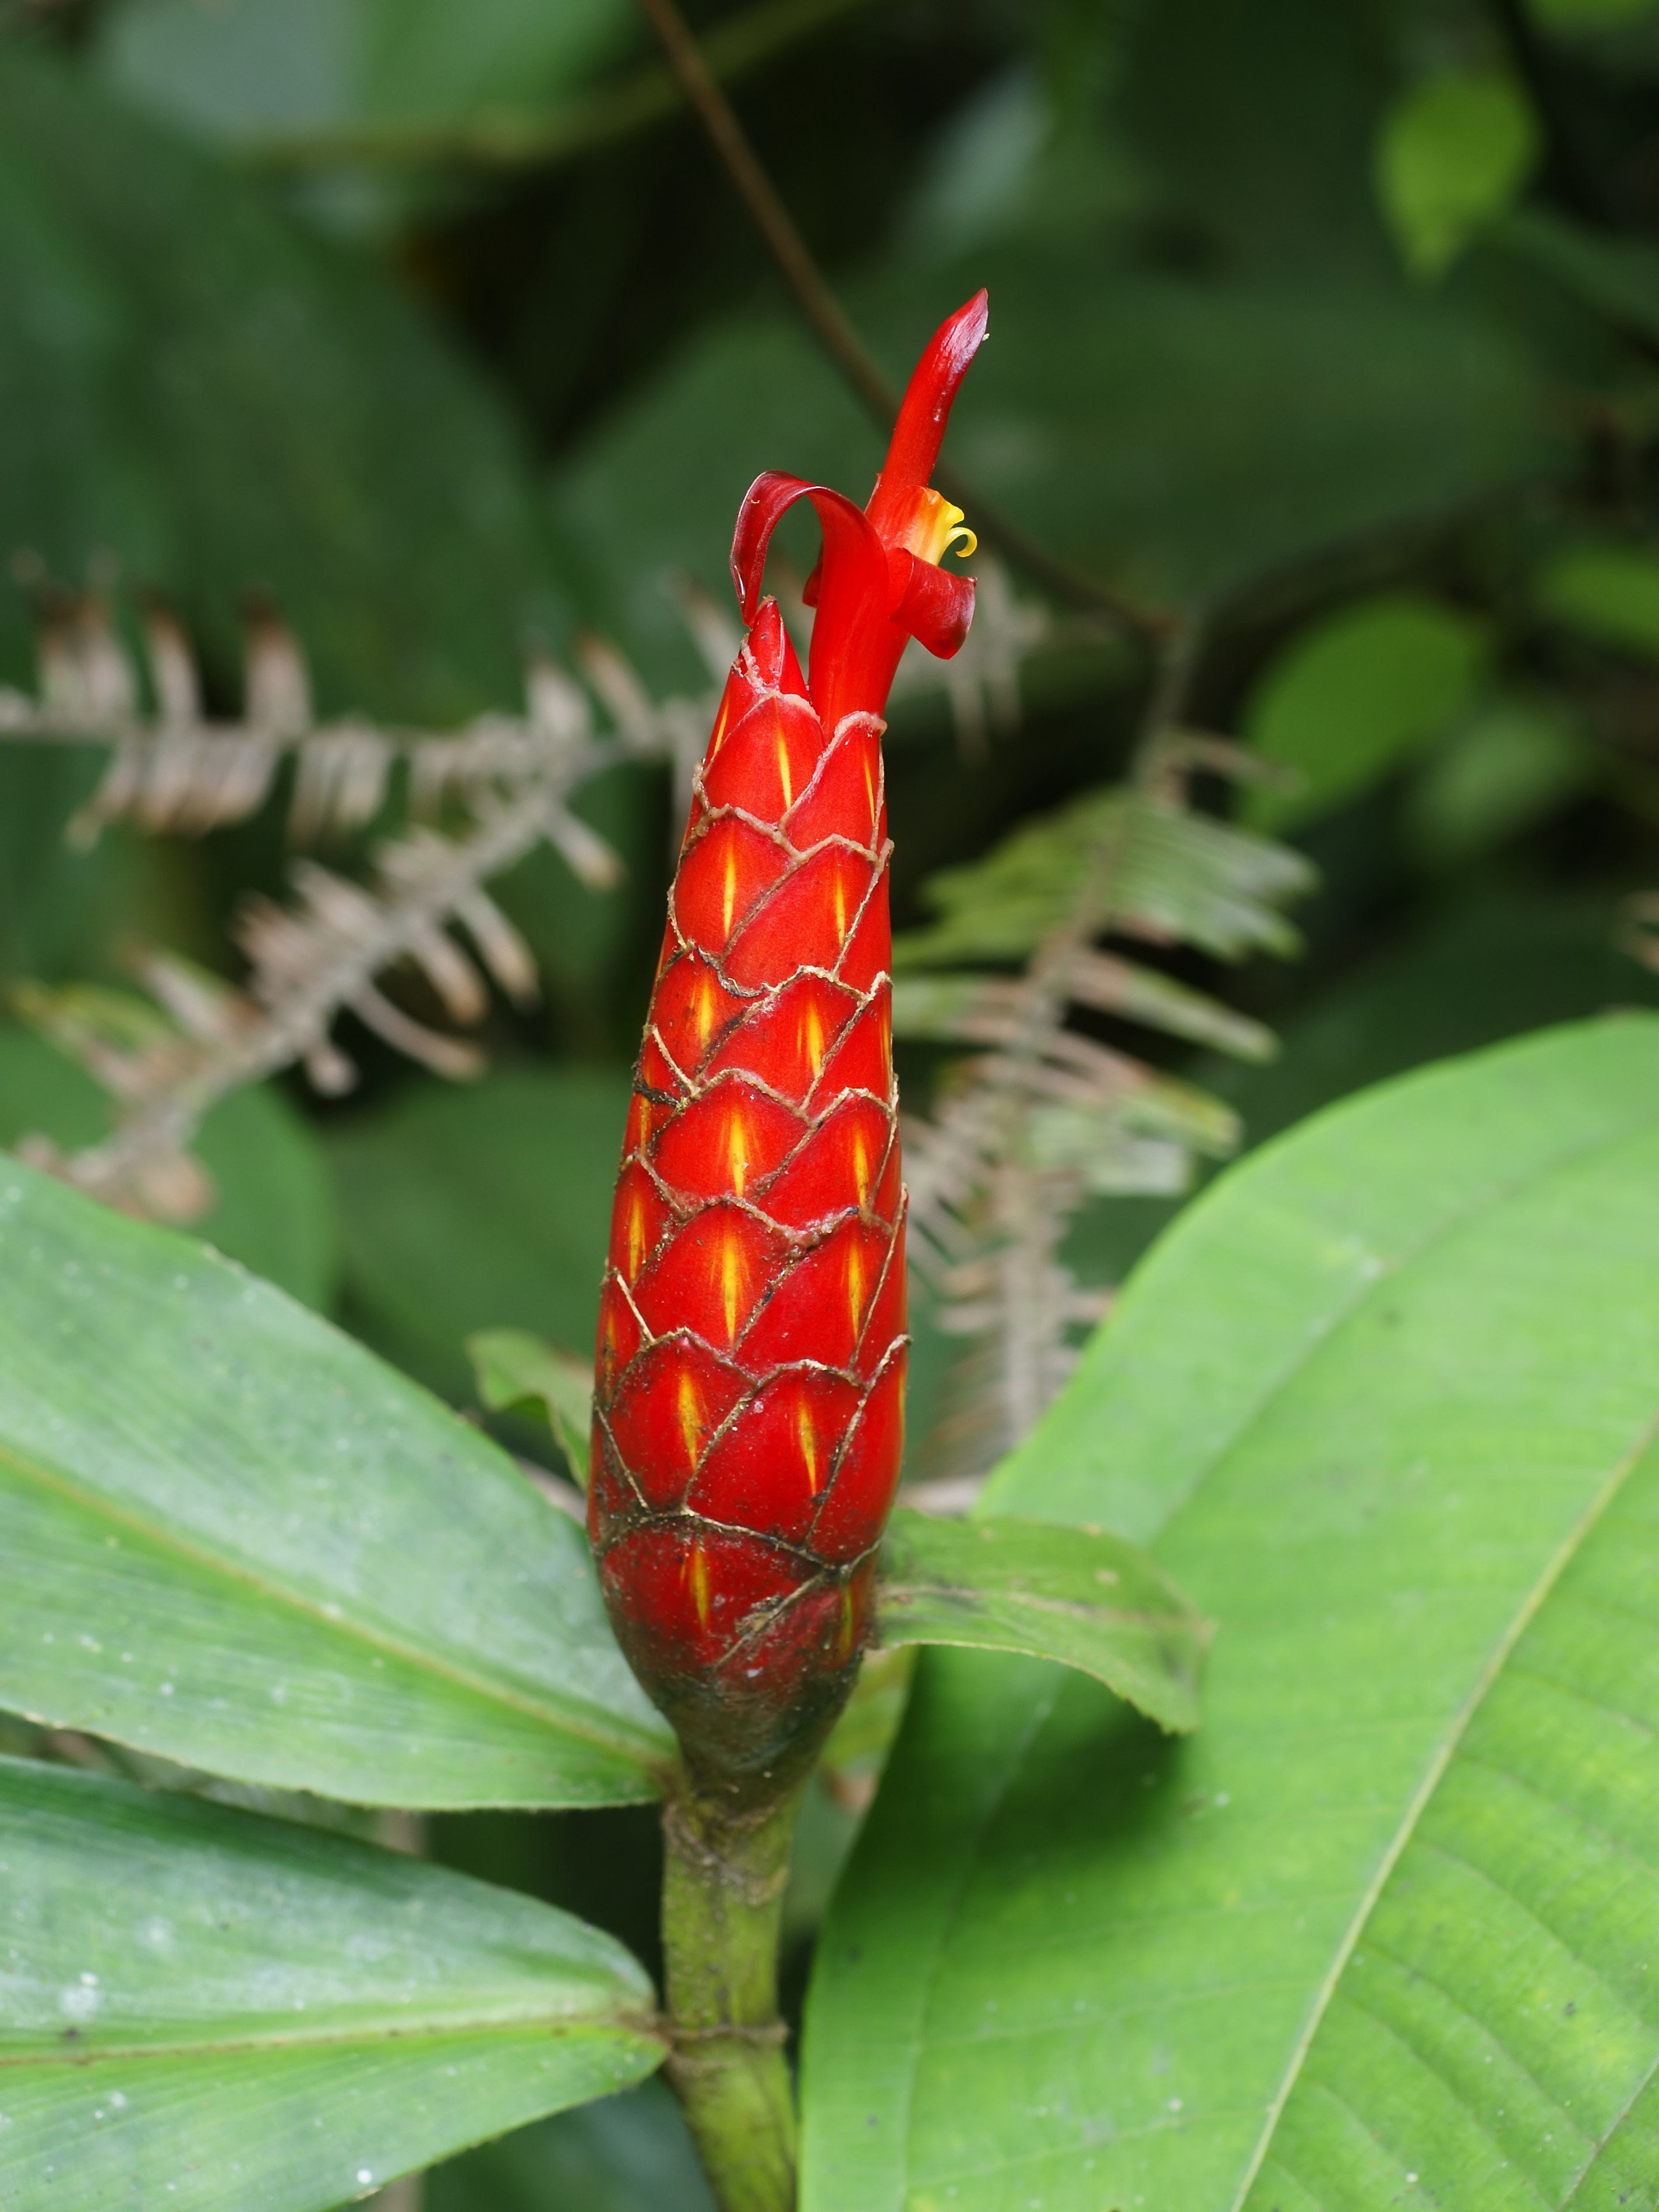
[749, 1407]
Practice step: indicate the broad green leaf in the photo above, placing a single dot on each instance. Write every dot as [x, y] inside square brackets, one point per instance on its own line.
[1384, 1403]
[1513, 764]
[246, 68]
[229, 1534]
[514, 1369]
[1454, 152]
[200, 2007]
[1079, 1596]
[273, 1205]
[176, 347]
[1608, 592]
[628, 2153]
[462, 1210]
[1351, 697]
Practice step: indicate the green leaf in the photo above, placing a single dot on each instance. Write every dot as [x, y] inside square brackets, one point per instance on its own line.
[274, 1205]
[1606, 593]
[1354, 695]
[515, 1369]
[404, 548]
[230, 1535]
[1454, 151]
[1085, 1598]
[200, 2007]
[255, 67]
[1515, 763]
[1384, 1402]
[628, 2153]
[460, 1209]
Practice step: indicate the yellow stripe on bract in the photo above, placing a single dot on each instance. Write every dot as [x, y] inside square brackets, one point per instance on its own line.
[860, 1164]
[690, 1413]
[731, 1272]
[705, 1008]
[811, 1034]
[855, 1282]
[847, 1623]
[737, 1148]
[636, 1245]
[841, 904]
[783, 771]
[696, 1580]
[731, 890]
[869, 789]
[807, 1436]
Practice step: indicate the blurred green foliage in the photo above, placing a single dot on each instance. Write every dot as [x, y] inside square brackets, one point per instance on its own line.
[435, 320]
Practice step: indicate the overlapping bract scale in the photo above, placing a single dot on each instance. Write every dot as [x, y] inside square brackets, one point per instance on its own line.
[749, 1427]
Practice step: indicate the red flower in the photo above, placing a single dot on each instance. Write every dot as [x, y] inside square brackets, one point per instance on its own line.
[749, 1409]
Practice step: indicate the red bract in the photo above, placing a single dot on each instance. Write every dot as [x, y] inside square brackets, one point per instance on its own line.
[749, 1414]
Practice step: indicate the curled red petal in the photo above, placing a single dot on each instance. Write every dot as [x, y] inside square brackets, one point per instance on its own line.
[934, 604]
[765, 503]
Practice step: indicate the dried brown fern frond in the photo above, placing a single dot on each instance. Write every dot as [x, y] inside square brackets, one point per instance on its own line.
[166, 1062]
[1047, 1116]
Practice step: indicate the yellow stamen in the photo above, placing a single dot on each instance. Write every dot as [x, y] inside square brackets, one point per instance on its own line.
[969, 537]
[690, 1413]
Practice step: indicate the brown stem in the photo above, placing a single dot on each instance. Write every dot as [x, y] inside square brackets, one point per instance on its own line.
[841, 341]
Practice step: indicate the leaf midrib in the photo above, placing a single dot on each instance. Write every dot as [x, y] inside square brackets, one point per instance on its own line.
[1525, 1613]
[563, 1719]
[645, 2024]
[1346, 1310]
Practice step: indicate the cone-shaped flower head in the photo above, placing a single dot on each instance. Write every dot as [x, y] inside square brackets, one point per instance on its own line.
[749, 1405]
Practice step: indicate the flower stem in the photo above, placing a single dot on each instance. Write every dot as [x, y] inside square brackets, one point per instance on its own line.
[722, 1909]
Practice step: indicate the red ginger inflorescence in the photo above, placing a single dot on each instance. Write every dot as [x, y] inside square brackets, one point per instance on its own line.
[749, 1405]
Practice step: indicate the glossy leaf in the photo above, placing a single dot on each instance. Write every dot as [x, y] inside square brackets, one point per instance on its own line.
[1454, 151]
[200, 2007]
[1353, 697]
[177, 346]
[1610, 593]
[516, 1368]
[1079, 1596]
[230, 1535]
[1385, 1402]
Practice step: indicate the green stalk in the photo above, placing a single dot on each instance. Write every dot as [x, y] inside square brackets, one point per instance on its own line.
[722, 1908]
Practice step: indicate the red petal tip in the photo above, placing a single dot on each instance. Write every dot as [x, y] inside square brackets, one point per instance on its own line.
[919, 431]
